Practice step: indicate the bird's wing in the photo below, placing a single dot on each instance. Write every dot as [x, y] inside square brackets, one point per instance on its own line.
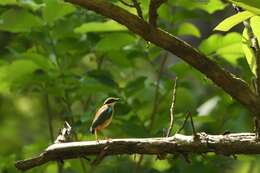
[103, 114]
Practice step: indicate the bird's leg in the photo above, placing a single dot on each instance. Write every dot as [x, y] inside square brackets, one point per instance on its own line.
[108, 139]
[96, 135]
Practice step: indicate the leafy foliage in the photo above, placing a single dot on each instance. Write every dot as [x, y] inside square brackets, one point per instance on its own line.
[61, 60]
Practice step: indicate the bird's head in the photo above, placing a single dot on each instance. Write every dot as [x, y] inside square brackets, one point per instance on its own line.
[111, 100]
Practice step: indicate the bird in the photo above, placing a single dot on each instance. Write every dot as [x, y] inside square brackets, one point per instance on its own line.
[103, 116]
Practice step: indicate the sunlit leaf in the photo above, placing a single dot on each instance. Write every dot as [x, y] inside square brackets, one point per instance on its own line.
[207, 5]
[255, 25]
[8, 2]
[230, 22]
[228, 47]
[210, 44]
[188, 29]
[107, 26]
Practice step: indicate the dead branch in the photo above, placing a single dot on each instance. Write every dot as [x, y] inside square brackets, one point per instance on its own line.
[172, 108]
[238, 143]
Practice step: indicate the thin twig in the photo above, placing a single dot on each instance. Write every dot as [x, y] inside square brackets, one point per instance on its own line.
[138, 8]
[192, 124]
[154, 5]
[156, 92]
[156, 102]
[68, 105]
[172, 108]
[126, 4]
[184, 123]
[137, 166]
[100, 157]
[49, 114]
[53, 47]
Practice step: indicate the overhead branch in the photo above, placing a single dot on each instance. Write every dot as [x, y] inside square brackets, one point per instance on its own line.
[154, 5]
[239, 143]
[234, 86]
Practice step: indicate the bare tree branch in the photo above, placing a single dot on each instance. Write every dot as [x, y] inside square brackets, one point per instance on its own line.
[154, 5]
[239, 143]
[172, 107]
[164, 57]
[234, 86]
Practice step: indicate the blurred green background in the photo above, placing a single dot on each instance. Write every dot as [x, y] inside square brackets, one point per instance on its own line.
[59, 62]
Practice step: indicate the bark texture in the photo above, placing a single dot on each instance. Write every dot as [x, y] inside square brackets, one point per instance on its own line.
[239, 143]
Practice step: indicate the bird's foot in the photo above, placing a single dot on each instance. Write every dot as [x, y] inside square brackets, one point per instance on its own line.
[108, 139]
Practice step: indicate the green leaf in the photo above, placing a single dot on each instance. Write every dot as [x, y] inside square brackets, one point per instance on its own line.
[30, 4]
[161, 165]
[56, 9]
[103, 77]
[8, 2]
[185, 97]
[39, 60]
[19, 20]
[19, 68]
[133, 86]
[208, 5]
[114, 41]
[230, 22]
[119, 58]
[249, 5]
[255, 25]
[108, 26]
[188, 29]
[13, 73]
[211, 44]
[90, 85]
[228, 47]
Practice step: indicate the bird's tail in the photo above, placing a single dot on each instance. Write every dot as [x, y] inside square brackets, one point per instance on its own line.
[92, 130]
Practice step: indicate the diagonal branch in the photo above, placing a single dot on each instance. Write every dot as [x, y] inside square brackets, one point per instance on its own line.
[239, 143]
[235, 87]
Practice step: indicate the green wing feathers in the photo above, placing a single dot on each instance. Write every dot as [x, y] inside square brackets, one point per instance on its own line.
[102, 115]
